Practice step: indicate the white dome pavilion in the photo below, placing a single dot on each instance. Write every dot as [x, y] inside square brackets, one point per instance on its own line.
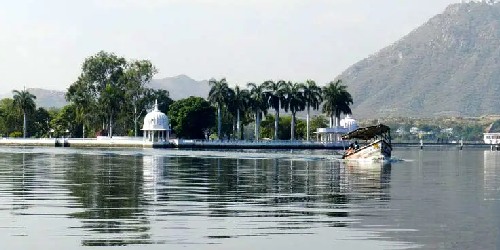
[156, 126]
[349, 123]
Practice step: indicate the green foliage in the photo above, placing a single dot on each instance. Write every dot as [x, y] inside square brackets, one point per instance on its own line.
[40, 126]
[10, 119]
[317, 121]
[112, 91]
[313, 97]
[283, 129]
[220, 96]
[495, 127]
[435, 129]
[25, 102]
[191, 117]
[16, 134]
[337, 100]
[300, 130]
[64, 121]
[275, 93]
[267, 127]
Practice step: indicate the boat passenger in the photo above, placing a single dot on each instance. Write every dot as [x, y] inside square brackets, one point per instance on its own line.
[350, 149]
[356, 145]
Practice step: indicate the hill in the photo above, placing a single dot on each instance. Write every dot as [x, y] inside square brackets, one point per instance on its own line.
[448, 66]
[181, 86]
[44, 98]
[48, 98]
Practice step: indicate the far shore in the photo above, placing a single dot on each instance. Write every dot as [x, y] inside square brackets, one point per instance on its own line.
[138, 142]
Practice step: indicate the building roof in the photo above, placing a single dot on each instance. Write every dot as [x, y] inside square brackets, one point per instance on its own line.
[367, 133]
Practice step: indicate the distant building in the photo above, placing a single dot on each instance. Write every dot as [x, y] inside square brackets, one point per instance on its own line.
[414, 130]
[349, 123]
[447, 131]
[491, 138]
[334, 134]
[401, 131]
[492, 135]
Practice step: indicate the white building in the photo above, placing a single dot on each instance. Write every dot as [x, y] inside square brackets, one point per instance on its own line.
[349, 123]
[414, 130]
[334, 134]
[491, 138]
[156, 126]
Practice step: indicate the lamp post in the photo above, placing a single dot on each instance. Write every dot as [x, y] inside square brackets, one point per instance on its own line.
[67, 133]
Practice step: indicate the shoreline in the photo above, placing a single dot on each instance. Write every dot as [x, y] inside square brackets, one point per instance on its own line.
[128, 142]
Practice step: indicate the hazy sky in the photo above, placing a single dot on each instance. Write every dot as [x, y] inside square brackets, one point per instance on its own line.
[43, 43]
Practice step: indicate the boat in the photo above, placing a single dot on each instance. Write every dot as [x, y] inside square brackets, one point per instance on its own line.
[377, 146]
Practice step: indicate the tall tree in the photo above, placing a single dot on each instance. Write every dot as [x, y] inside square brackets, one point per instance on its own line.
[258, 103]
[337, 101]
[295, 102]
[219, 96]
[313, 98]
[9, 121]
[104, 80]
[138, 74]
[276, 95]
[239, 104]
[25, 101]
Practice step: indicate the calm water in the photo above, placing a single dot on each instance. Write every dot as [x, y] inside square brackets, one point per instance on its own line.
[60, 198]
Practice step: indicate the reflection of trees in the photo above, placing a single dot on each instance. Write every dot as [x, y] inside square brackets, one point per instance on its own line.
[277, 187]
[125, 199]
[110, 190]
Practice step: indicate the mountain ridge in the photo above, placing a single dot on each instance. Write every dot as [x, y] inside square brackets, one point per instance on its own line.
[429, 71]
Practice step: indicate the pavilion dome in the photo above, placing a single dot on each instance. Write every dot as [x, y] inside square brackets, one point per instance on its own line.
[156, 120]
[349, 123]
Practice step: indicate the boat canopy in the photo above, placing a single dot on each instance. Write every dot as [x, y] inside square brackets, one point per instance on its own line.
[367, 133]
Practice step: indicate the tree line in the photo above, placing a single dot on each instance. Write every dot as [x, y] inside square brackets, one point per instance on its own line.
[111, 97]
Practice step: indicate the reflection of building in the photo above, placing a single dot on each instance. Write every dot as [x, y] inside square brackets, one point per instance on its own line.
[491, 174]
[156, 126]
[152, 174]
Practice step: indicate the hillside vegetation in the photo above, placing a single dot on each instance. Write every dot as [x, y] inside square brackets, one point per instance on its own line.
[447, 67]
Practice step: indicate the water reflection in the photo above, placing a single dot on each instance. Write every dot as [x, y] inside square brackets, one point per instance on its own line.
[151, 199]
[491, 174]
[110, 190]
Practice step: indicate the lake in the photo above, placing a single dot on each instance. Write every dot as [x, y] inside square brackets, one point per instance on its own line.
[65, 198]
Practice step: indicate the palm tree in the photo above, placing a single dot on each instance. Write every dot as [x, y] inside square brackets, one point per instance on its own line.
[258, 103]
[240, 102]
[313, 98]
[295, 102]
[25, 101]
[337, 101]
[218, 95]
[276, 93]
